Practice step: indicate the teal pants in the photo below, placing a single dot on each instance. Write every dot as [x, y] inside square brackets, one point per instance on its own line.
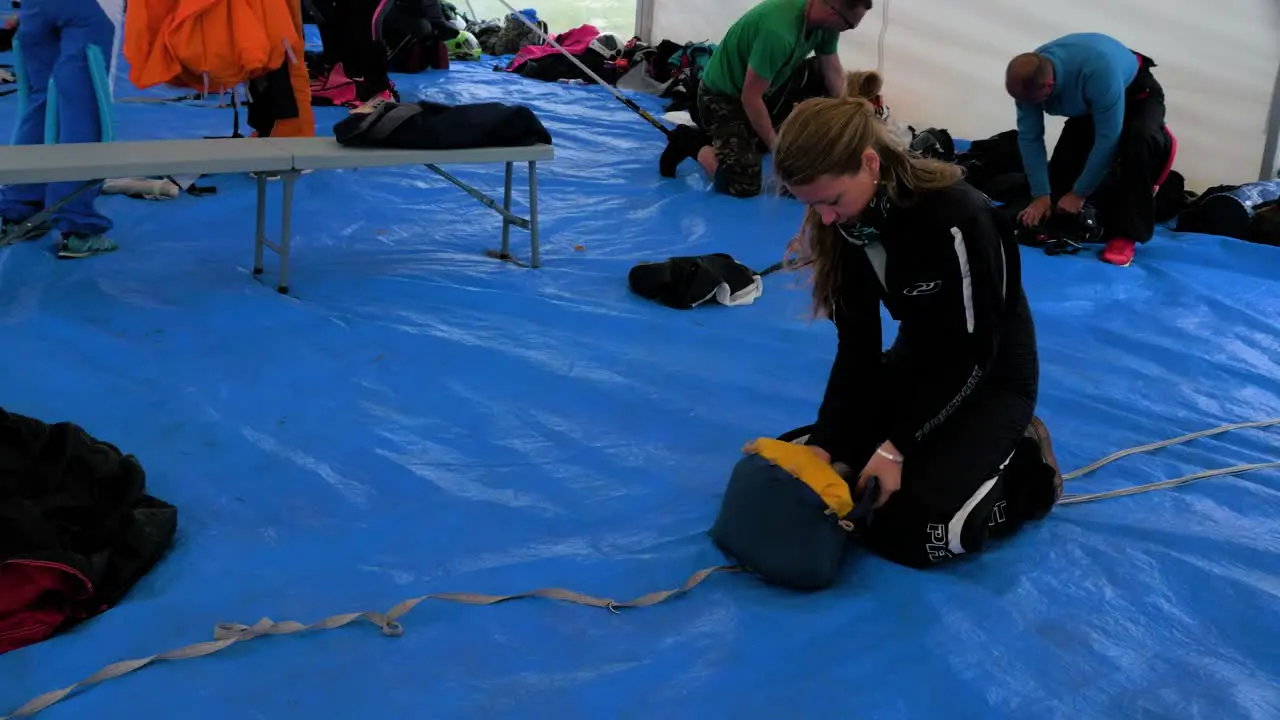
[54, 40]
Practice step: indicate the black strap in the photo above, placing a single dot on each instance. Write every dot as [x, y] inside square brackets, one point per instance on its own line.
[1062, 246]
[867, 503]
[235, 115]
[235, 120]
[193, 189]
[383, 122]
[408, 39]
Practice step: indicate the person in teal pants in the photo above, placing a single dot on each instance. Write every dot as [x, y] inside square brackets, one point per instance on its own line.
[54, 37]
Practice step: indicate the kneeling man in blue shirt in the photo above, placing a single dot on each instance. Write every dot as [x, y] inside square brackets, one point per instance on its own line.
[1115, 132]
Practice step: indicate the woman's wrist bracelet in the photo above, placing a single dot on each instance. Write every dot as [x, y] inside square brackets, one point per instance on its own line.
[888, 455]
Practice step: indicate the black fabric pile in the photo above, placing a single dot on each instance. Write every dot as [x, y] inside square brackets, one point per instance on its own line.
[77, 527]
[994, 166]
[934, 143]
[433, 126]
[557, 67]
[1248, 212]
[1060, 234]
[687, 282]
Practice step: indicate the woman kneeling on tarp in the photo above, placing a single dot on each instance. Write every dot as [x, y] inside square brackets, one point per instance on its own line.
[944, 419]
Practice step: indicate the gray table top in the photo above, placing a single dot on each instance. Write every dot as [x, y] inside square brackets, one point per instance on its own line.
[100, 161]
[324, 153]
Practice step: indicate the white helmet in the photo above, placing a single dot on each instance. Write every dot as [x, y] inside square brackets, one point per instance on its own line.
[608, 45]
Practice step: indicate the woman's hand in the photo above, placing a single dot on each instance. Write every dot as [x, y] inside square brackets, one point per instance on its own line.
[1071, 203]
[1036, 212]
[885, 470]
[794, 247]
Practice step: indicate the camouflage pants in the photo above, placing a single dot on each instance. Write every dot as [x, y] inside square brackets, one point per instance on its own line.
[739, 151]
[513, 36]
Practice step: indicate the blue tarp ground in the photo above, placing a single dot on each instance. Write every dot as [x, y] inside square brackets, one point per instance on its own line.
[418, 418]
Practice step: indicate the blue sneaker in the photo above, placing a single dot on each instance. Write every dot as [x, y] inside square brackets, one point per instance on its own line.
[81, 246]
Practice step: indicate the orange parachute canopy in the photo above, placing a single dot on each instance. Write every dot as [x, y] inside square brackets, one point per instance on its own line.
[209, 45]
[215, 45]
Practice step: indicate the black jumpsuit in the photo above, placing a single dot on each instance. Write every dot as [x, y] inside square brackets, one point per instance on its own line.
[956, 391]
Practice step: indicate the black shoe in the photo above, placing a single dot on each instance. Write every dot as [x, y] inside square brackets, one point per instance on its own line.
[684, 143]
[1038, 432]
[1038, 471]
[1031, 484]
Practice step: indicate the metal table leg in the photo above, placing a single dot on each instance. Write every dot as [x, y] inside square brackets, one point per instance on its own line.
[506, 205]
[289, 179]
[260, 235]
[535, 248]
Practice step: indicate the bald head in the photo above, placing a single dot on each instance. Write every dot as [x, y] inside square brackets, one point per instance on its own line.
[1029, 78]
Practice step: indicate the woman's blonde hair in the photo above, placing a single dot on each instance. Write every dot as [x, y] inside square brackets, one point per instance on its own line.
[865, 84]
[828, 136]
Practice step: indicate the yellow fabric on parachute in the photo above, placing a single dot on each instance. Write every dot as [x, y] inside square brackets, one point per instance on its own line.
[806, 467]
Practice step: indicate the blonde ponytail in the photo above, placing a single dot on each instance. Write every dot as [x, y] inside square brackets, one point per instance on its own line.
[865, 84]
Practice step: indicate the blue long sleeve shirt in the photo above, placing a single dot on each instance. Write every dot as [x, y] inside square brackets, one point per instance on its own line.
[1091, 73]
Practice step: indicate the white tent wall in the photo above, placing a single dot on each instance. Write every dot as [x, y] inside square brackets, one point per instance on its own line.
[944, 64]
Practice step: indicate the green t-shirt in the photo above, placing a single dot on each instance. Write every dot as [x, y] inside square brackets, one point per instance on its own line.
[771, 40]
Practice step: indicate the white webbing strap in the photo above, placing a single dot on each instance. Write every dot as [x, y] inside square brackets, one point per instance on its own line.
[226, 635]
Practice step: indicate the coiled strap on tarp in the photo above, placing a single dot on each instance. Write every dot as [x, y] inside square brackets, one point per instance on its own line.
[228, 634]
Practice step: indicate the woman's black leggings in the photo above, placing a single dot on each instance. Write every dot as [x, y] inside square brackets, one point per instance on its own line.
[348, 38]
[977, 478]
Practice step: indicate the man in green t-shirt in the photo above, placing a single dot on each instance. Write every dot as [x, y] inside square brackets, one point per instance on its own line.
[758, 55]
